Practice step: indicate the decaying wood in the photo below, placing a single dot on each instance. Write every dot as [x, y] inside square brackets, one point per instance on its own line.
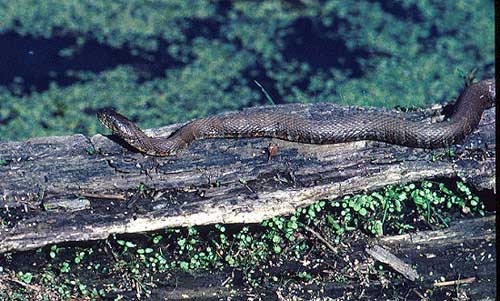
[459, 258]
[384, 256]
[74, 188]
[465, 250]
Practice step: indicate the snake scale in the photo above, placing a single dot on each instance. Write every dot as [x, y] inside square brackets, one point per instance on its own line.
[464, 119]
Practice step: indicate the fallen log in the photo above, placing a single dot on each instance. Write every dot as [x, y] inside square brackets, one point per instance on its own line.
[75, 188]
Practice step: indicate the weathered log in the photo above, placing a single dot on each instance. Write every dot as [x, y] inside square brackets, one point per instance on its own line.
[74, 188]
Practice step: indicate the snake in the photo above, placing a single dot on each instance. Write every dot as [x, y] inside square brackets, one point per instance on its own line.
[376, 126]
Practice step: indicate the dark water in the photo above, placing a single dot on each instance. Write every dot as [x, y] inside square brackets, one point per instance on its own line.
[38, 60]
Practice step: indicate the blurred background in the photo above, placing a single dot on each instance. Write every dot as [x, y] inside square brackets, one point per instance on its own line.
[161, 62]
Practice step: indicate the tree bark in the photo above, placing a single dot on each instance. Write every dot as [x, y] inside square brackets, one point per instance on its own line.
[74, 188]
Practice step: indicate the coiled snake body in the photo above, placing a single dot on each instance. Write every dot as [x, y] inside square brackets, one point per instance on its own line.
[370, 126]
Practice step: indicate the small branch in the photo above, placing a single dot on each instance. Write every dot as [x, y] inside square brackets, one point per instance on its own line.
[11, 278]
[420, 295]
[104, 196]
[455, 282]
[324, 241]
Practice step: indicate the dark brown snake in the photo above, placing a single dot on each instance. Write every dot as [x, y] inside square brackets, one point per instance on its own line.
[369, 126]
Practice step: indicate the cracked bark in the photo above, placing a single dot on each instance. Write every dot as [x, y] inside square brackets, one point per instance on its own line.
[74, 188]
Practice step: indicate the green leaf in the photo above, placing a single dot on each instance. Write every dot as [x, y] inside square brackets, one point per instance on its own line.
[362, 212]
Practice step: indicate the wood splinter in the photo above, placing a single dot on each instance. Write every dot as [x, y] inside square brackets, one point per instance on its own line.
[384, 256]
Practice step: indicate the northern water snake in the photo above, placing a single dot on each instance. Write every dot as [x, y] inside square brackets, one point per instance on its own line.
[369, 126]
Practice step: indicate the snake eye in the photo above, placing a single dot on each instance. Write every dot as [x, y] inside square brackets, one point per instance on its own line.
[117, 123]
[101, 113]
[107, 118]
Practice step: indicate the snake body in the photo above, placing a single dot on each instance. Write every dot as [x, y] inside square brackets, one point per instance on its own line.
[465, 117]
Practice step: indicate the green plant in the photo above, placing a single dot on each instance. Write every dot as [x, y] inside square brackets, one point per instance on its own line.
[54, 250]
[281, 239]
[65, 267]
[25, 277]
[125, 244]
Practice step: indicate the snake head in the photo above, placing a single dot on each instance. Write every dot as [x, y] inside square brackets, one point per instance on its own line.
[118, 124]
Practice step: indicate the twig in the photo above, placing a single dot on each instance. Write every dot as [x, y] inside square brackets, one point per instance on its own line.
[104, 196]
[227, 279]
[111, 250]
[420, 295]
[25, 285]
[455, 282]
[318, 236]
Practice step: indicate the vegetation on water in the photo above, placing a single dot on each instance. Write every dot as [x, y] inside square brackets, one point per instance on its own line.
[200, 57]
[194, 58]
[107, 268]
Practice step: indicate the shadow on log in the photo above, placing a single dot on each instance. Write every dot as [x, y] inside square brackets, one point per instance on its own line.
[74, 188]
